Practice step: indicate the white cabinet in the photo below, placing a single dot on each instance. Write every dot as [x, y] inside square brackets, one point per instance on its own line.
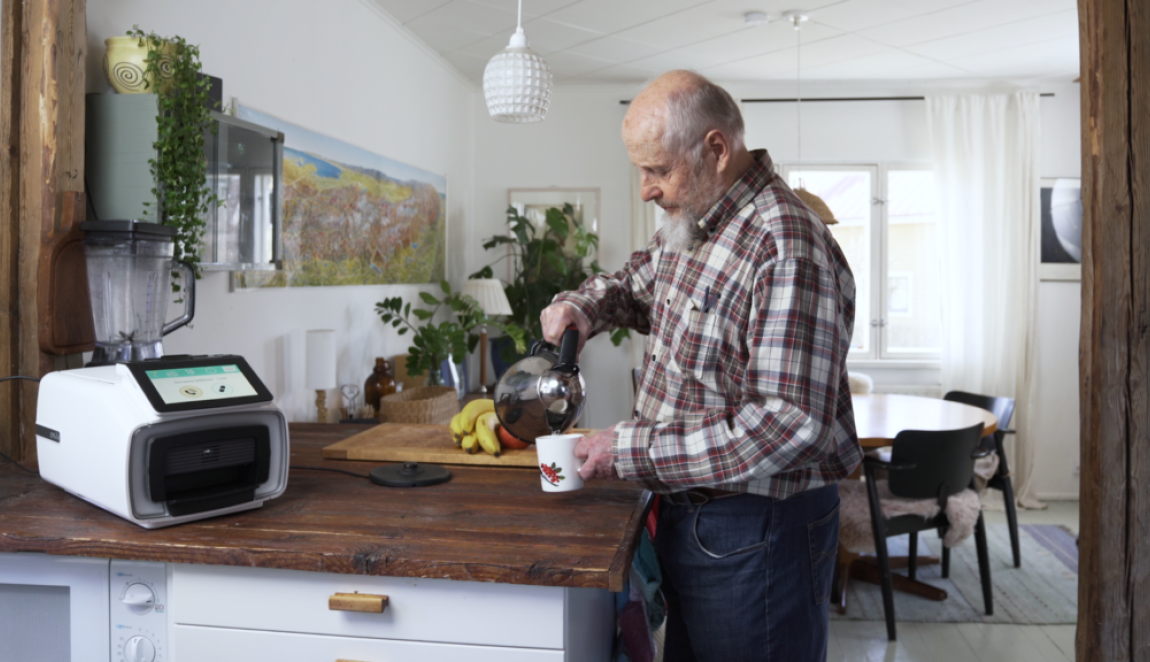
[235, 613]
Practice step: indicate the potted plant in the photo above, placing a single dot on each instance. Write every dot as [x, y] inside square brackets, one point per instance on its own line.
[179, 170]
[433, 342]
[544, 262]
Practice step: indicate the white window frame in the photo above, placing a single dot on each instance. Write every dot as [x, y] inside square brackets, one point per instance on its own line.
[878, 353]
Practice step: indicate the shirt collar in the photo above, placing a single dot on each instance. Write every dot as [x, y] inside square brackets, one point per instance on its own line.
[741, 192]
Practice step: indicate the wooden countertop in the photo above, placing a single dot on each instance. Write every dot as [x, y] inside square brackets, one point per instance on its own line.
[485, 524]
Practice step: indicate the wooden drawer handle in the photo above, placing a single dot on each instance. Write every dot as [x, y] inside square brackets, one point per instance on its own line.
[365, 602]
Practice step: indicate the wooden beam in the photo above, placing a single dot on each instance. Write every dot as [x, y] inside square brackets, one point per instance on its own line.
[11, 18]
[1114, 351]
[42, 132]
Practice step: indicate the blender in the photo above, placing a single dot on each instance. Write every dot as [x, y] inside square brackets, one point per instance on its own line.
[130, 270]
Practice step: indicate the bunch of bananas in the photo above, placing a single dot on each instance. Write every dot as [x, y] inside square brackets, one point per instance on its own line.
[475, 427]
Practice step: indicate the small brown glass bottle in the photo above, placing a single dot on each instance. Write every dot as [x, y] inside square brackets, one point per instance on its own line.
[379, 383]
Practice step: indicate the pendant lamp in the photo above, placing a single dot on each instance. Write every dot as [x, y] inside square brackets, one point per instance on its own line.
[517, 82]
[809, 199]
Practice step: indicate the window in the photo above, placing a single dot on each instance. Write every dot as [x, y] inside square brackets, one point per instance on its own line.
[888, 230]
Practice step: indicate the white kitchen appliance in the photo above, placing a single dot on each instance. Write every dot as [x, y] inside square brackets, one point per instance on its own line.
[73, 609]
[163, 441]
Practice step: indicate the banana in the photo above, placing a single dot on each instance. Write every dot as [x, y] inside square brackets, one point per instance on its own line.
[457, 431]
[470, 444]
[485, 431]
[474, 410]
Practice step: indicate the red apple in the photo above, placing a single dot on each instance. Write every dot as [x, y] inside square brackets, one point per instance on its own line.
[509, 440]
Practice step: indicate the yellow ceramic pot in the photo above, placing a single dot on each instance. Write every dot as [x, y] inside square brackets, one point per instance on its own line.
[126, 60]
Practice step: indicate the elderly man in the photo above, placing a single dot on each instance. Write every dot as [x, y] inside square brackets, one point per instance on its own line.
[743, 422]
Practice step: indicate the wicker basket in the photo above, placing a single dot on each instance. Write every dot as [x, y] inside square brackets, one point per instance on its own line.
[424, 404]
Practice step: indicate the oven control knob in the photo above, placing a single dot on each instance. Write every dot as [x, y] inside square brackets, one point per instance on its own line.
[139, 598]
[139, 649]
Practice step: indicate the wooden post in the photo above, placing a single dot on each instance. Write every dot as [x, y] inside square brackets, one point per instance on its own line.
[42, 62]
[1114, 352]
[11, 18]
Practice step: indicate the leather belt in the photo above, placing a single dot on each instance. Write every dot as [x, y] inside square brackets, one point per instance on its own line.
[699, 495]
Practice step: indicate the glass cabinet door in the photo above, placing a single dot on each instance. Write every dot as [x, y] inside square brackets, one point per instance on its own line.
[245, 167]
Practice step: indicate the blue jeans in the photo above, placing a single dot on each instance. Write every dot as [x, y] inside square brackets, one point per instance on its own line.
[748, 577]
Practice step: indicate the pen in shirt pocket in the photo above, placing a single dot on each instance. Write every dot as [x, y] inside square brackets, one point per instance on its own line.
[707, 300]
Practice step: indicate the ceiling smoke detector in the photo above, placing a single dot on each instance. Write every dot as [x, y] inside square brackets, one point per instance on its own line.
[756, 18]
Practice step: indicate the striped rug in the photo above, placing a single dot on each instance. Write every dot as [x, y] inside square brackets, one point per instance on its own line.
[1044, 591]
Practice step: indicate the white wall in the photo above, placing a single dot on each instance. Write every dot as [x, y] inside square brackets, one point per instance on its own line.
[342, 68]
[1059, 315]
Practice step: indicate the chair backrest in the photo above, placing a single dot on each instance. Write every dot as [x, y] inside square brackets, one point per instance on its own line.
[1002, 408]
[943, 462]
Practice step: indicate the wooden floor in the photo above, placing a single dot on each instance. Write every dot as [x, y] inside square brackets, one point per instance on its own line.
[858, 641]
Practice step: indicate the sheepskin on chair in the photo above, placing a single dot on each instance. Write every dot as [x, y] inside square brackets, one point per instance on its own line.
[860, 384]
[856, 534]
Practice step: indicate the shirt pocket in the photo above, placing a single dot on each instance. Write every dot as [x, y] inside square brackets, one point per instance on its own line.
[700, 347]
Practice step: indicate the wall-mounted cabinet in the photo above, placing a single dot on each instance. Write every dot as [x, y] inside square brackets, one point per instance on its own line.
[245, 170]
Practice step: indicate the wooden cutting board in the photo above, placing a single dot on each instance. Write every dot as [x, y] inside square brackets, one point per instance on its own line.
[410, 442]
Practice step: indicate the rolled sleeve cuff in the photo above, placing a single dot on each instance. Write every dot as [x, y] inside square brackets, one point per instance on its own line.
[586, 306]
[632, 454]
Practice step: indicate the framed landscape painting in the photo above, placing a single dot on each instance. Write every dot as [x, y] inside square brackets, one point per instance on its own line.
[352, 217]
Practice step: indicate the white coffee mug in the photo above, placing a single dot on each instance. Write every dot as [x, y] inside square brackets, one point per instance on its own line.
[558, 466]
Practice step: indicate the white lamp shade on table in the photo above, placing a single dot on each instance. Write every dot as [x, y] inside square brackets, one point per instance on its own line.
[321, 360]
[517, 83]
[489, 294]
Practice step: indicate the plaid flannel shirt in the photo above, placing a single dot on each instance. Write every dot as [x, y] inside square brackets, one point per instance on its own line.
[744, 384]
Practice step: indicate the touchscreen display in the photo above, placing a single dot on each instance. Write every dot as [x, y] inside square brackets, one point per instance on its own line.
[190, 385]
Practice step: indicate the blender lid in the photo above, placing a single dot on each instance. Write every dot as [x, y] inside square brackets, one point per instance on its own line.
[129, 229]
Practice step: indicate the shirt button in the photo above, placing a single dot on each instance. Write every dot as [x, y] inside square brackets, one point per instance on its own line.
[636, 413]
[668, 302]
[652, 357]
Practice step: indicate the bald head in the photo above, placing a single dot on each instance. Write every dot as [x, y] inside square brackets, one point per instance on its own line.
[679, 109]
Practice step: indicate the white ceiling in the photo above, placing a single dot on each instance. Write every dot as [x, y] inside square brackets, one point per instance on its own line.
[626, 41]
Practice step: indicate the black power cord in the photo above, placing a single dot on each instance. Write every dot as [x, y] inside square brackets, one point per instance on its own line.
[338, 471]
[2, 455]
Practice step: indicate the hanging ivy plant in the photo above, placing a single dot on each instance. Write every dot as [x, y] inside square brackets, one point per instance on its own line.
[183, 198]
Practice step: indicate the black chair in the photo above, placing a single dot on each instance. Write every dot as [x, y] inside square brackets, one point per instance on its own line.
[925, 465]
[1003, 409]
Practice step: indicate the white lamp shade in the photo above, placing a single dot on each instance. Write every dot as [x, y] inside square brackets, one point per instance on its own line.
[320, 360]
[517, 83]
[488, 292]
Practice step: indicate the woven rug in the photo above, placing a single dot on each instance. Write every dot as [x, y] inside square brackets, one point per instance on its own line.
[1044, 591]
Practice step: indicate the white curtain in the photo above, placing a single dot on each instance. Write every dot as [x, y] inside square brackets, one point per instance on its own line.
[986, 152]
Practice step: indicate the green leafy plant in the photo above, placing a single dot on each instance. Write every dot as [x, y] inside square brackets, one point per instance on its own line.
[545, 261]
[431, 343]
[179, 170]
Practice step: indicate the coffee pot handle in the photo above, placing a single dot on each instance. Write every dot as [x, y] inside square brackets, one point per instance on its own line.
[189, 298]
[568, 349]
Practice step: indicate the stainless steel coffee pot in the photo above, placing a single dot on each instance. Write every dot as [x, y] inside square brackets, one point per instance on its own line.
[544, 393]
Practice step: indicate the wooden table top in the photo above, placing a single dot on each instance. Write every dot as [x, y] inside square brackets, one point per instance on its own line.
[485, 524]
[879, 417]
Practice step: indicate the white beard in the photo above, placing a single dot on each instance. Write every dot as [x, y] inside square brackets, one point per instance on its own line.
[680, 232]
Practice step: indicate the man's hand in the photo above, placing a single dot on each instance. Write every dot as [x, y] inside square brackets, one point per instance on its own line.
[557, 317]
[597, 454]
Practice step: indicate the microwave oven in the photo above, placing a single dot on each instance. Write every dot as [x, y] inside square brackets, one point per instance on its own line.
[75, 609]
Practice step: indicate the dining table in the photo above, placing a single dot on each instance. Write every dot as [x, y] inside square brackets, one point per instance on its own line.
[879, 417]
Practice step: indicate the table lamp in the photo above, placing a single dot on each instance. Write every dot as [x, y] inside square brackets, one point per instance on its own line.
[488, 293]
[321, 368]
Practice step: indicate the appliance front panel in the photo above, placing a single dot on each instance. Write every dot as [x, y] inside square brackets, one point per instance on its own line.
[53, 608]
[149, 504]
